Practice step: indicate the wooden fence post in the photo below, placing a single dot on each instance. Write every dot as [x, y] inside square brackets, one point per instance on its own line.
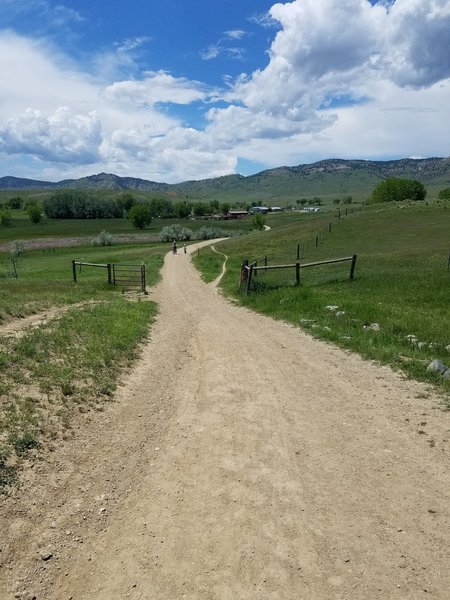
[244, 273]
[317, 240]
[143, 282]
[249, 280]
[329, 228]
[108, 266]
[298, 251]
[74, 271]
[14, 264]
[297, 273]
[353, 266]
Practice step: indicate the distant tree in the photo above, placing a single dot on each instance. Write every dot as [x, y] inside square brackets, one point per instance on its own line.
[397, 190]
[80, 204]
[5, 218]
[15, 203]
[444, 194]
[140, 216]
[214, 204]
[34, 212]
[182, 209]
[347, 199]
[258, 222]
[303, 201]
[225, 208]
[125, 202]
[199, 209]
[317, 200]
[336, 200]
[161, 207]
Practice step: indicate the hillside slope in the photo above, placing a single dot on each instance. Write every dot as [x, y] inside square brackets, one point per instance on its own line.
[326, 177]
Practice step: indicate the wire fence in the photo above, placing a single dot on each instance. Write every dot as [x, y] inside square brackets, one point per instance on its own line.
[264, 276]
[289, 266]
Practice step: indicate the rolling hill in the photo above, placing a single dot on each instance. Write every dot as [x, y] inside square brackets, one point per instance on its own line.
[333, 177]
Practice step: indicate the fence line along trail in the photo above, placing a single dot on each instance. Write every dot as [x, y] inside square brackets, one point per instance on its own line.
[242, 459]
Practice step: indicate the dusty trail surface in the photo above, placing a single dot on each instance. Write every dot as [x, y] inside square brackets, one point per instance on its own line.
[241, 460]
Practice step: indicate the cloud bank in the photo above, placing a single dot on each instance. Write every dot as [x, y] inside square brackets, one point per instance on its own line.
[343, 78]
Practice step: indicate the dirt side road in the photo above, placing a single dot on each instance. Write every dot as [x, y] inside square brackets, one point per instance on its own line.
[242, 460]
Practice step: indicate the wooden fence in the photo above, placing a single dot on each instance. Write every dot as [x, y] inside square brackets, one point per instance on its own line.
[249, 272]
[129, 276]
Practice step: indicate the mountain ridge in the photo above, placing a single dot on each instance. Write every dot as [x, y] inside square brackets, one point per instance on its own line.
[333, 176]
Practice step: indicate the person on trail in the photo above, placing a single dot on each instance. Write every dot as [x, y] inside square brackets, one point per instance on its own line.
[174, 246]
[185, 248]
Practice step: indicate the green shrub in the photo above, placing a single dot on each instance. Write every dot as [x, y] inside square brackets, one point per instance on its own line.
[258, 222]
[5, 218]
[211, 233]
[34, 212]
[175, 232]
[15, 203]
[103, 239]
[398, 190]
[444, 194]
[18, 249]
[23, 442]
[140, 216]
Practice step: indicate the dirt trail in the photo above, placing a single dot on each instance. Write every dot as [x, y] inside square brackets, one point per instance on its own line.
[242, 460]
[18, 326]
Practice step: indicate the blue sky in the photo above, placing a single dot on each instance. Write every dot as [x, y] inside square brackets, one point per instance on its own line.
[176, 90]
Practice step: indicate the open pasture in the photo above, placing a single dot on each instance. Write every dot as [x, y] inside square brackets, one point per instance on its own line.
[401, 288]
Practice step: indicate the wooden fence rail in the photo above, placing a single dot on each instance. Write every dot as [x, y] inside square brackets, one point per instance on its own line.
[249, 271]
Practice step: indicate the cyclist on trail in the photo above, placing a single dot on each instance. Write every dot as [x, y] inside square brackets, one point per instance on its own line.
[174, 246]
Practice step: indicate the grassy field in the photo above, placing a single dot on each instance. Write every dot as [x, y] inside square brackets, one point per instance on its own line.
[71, 364]
[45, 278]
[401, 289]
[22, 229]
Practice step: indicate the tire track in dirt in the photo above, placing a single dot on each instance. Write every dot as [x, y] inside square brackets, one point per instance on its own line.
[19, 326]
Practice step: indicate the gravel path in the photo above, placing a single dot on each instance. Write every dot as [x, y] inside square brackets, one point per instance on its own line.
[242, 459]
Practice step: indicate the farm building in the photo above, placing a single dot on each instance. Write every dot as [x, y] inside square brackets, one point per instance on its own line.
[259, 209]
[236, 214]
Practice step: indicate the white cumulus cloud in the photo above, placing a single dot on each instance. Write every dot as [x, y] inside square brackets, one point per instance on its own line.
[155, 88]
[341, 78]
[60, 137]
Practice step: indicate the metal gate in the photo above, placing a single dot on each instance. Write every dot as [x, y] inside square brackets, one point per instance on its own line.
[130, 276]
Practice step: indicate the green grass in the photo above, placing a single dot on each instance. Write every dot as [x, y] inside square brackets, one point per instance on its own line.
[45, 278]
[209, 263]
[402, 284]
[61, 368]
[22, 229]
